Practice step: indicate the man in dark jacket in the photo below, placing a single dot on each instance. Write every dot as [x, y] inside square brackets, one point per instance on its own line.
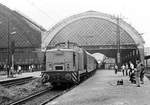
[142, 74]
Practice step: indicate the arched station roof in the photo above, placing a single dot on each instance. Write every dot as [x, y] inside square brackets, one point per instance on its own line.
[92, 28]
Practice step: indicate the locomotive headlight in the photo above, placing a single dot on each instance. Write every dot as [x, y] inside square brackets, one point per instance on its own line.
[68, 67]
[50, 66]
[67, 76]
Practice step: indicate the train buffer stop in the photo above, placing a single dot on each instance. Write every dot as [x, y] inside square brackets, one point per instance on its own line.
[102, 89]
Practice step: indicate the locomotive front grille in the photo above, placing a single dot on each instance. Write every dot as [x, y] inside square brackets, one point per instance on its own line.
[58, 67]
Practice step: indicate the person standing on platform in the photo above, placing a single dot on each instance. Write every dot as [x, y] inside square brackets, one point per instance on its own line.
[30, 68]
[12, 72]
[19, 69]
[5, 68]
[142, 74]
[116, 69]
[126, 69]
[123, 69]
[131, 68]
[8, 71]
[137, 72]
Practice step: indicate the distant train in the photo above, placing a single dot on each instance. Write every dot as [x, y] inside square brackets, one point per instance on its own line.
[67, 63]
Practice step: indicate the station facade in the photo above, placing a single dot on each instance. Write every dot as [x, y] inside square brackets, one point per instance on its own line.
[21, 35]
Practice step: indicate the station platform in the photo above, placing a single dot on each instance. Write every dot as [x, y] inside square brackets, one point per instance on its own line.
[19, 76]
[102, 89]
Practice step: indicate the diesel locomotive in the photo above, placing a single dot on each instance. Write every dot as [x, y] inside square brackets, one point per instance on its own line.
[67, 63]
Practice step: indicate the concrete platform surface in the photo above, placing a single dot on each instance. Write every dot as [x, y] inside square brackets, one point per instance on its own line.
[102, 89]
[17, 76]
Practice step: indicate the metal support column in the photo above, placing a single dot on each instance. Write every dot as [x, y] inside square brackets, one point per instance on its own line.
[8, 49]
[118, 44]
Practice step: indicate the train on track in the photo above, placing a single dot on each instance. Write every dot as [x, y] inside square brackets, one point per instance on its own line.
[67, 63]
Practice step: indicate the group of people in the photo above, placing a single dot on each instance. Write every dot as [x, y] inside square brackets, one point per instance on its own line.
[134, 71]
[12, 71]
[31, 68]
[127, 69]
[16, 69]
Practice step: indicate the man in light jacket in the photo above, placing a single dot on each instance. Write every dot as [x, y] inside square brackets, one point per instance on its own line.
[138, 72]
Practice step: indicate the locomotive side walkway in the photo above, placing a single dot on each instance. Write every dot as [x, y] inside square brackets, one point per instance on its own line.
[101, 89]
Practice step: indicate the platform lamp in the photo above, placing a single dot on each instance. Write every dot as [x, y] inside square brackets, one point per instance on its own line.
[118, 43]
[12, 48]
[8, 47]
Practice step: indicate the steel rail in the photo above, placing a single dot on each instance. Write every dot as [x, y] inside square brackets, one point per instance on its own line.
[16, 82]
[54, 97]
[31, 96]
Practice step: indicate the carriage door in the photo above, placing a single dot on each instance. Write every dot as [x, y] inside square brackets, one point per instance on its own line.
[85, 60]
[74, 60]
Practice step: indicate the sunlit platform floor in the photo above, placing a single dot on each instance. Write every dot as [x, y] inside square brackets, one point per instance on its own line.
[102, 89]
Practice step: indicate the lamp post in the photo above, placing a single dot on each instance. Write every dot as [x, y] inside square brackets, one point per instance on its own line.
[118, 57]
[12, 50]
[118, 43]
[8, 49]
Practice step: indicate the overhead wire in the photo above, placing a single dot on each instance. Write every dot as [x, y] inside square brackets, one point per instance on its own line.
[40, 10]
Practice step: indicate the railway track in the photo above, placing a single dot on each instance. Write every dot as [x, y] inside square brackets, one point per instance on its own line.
[41, 97]
[55, 96]
[15, 82]
[29, 97]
